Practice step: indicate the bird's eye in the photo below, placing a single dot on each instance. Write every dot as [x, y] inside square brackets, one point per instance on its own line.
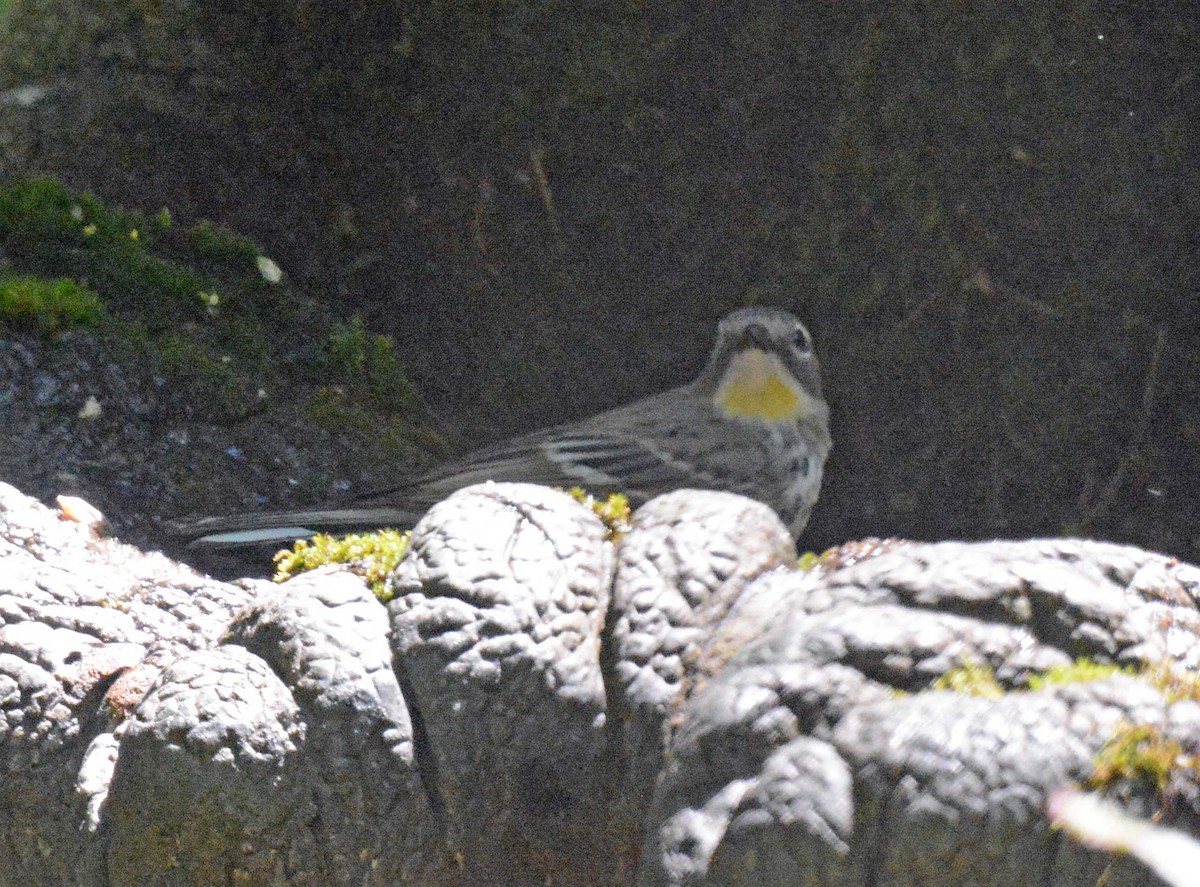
[802, 340]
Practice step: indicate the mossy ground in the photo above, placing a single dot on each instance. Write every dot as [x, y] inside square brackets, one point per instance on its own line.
[371, 555]
[198, 295]
[207, 314]
[47, 305]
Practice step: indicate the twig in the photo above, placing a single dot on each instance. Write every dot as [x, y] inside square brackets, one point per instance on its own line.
[1117, 480]
[543, 186]
[983, 283]
[915, 315]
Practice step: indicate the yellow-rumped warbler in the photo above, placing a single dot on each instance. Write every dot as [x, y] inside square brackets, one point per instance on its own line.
[754, 423]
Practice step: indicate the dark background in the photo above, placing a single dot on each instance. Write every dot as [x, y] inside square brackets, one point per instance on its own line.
[987, 213]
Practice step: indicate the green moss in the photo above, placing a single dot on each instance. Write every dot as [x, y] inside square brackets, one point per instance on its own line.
[138, 265]
[38, 218]
[217, 322]
[176, 293]
[44, 228]
[977, 679]
[1176, 684]
[371, 555]
[1078, 672]
[368, 364]
[47, 305]
[162, 291]
[971, 679]
[1139, 752]
[210, 241]
[808, 561]
[613, 510]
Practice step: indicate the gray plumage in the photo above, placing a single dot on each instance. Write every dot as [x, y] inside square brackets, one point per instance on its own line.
[754, 422]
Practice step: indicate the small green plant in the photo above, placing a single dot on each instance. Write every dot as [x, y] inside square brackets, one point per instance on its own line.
[213, 242]
[613, 510]
[48, 305]
[1081, 671]
[808, 561]
[371, 555]
[1138, 752]
[971, 679]
[369, 364]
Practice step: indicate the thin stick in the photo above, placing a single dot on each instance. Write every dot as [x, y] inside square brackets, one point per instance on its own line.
[1115, 482]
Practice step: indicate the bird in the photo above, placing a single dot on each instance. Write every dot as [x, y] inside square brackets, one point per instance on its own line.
[753, 422]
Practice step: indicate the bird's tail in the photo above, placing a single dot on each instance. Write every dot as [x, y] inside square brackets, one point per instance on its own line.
[245, 530]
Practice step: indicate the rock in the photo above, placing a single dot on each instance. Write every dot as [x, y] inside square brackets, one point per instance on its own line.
[540, 704]
[496, 622]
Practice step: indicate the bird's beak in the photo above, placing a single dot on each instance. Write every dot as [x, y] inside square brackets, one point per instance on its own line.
[755, 335]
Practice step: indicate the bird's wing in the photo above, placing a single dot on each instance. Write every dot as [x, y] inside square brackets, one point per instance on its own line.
[564, 458]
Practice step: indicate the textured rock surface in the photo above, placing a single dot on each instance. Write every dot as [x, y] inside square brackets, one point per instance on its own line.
[496, 629]
[537, 704]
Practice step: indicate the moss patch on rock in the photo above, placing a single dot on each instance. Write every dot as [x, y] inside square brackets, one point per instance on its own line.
[976, 678]
[47, 305]
[613, 510]
[371, 555]
[1135, 753]
[1081, 671]
[971, 679]
[1139, 753]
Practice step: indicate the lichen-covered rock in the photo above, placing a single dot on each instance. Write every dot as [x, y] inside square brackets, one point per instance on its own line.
[539, 703]
[821, 741]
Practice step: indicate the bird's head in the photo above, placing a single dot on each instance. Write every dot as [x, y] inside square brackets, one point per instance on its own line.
[763, 368]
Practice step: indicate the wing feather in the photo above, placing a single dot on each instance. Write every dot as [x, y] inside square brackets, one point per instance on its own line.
[564, 458]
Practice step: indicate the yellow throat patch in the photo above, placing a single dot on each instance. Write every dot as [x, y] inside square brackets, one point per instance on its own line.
[757, 385]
